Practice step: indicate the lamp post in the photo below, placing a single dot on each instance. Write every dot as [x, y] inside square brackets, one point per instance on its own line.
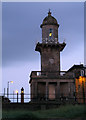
[8, 88]
[13, 96]
[22, 95]
[17, 95]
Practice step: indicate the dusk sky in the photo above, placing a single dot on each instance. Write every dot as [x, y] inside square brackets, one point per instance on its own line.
[21, 30]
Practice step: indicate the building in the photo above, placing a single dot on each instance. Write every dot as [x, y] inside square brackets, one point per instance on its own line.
[51, 84]
[80, 82]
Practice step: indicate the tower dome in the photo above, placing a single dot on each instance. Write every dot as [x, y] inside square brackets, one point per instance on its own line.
[49, 20]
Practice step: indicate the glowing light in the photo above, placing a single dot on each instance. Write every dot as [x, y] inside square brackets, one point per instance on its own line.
[80, 89]
[16, 91]
[22, 91]
[81, 79]
[50, 34]
[11, 81]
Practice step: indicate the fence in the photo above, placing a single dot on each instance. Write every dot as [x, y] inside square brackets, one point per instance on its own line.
[25, 98]
[16, 98]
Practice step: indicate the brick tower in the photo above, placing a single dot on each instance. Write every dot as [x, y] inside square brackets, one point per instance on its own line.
[50, 47]
[50, 83]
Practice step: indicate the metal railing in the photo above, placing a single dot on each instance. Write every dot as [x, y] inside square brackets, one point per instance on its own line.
[16, 98]
[51, 41]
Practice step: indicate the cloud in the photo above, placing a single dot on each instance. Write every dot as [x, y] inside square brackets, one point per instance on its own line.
[21, 29]
[21, 23]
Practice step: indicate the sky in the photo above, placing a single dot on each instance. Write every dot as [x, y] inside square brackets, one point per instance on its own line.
[21, 31]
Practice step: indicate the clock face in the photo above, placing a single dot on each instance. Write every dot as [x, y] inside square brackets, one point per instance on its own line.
[51, 61]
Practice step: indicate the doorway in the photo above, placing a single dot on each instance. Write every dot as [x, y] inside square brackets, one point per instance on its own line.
[52, 91]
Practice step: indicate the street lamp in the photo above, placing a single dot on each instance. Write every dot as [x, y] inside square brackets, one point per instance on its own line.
[22, 95]
[8, 88]
[17, 95]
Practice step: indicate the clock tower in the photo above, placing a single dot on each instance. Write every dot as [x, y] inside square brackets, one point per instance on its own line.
[50, 47]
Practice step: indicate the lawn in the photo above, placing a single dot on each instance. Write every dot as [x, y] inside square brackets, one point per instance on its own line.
[67, 111]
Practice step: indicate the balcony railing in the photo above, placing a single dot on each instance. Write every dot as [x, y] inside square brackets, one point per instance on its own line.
[47, 40]
[57, 74]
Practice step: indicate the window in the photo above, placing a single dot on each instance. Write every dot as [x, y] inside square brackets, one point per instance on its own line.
[85, 71]
[82, 72]
[50, 33]
[50, 30]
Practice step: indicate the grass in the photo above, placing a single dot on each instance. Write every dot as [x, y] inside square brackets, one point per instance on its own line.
[68, 111]
[63, 111]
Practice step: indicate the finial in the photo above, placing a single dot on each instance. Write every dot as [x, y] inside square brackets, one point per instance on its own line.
[64, 40]
[49, 9]
[49, 13]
